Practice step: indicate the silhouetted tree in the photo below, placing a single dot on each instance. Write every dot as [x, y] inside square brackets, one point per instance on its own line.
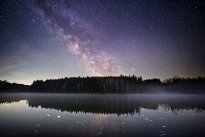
[109, 84]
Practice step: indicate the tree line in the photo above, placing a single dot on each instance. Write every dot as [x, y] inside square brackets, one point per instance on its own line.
[7, 86]
[109, 84]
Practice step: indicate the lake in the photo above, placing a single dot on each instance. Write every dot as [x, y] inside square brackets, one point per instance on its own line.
[97, 115]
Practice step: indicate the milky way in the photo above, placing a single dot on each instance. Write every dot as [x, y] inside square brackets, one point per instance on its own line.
[46, 39]
[67, 29]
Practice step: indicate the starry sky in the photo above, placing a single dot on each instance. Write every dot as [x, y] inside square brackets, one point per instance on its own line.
[48, 39]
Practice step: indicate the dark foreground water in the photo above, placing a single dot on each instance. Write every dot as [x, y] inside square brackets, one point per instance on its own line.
[126, 115]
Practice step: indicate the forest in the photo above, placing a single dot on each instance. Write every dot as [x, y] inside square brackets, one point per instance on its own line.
[109, 84]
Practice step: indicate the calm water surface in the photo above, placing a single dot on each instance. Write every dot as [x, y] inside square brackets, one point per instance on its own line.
[126, 115]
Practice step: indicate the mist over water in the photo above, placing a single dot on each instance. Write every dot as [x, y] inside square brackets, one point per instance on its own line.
[102, 115]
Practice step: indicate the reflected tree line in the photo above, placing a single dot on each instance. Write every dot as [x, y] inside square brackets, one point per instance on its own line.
[111, 104]
[110, 84]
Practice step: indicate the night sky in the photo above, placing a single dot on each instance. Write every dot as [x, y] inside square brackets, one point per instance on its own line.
[46, 39]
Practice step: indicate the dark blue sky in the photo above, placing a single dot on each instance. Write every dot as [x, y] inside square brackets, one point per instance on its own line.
[43, 39]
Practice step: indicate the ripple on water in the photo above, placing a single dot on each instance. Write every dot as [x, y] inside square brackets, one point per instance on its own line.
[193, 114]
[100, 133]
[161, 118]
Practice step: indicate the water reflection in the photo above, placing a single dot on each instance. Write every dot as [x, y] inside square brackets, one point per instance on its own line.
[87, 115]
[110, 104]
